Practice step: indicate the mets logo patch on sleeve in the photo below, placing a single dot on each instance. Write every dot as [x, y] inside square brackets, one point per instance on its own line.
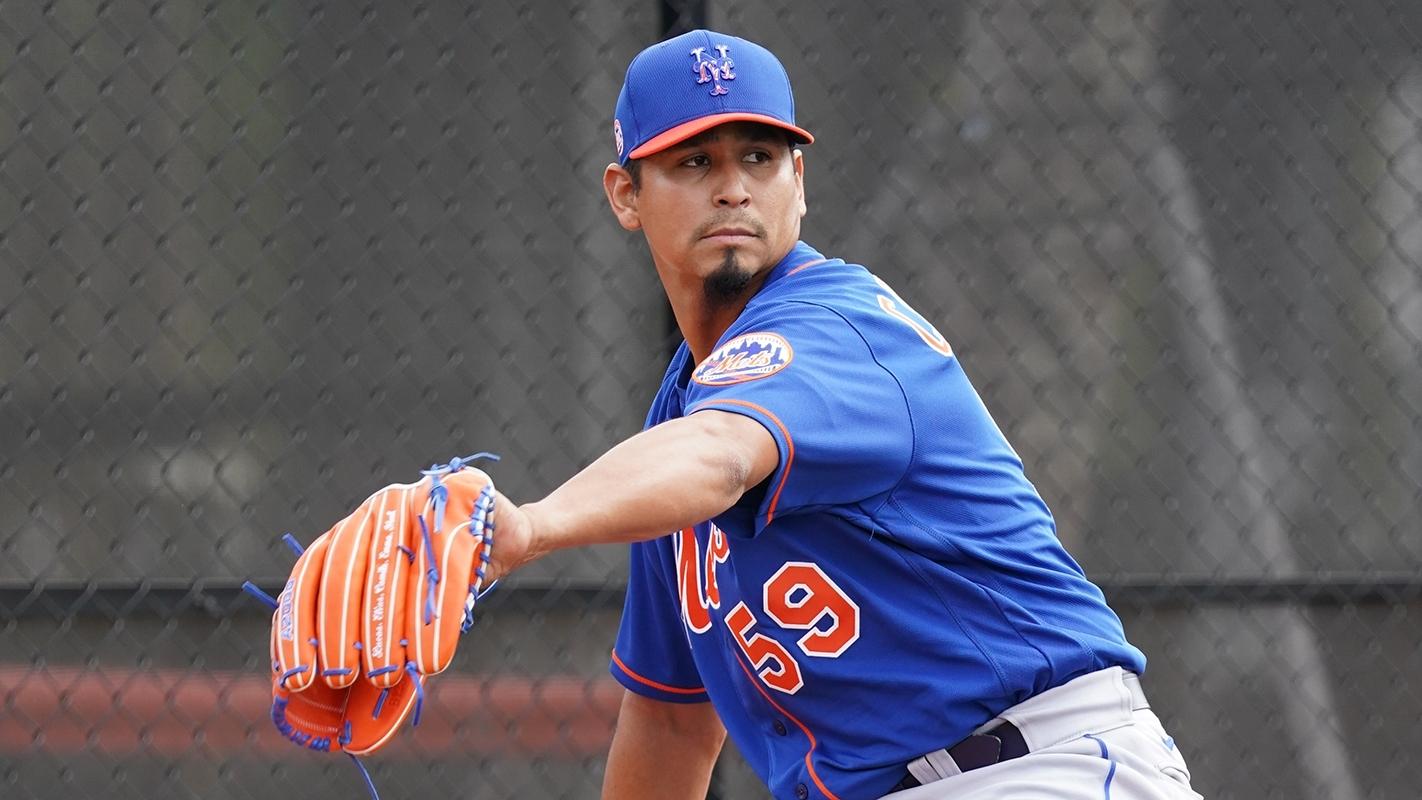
[747, 357]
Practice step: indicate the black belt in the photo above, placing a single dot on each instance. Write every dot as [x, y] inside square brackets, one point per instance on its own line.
[1002, 743]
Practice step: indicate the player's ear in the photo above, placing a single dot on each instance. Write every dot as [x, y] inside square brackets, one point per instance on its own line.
[798, 159]
[621, 196]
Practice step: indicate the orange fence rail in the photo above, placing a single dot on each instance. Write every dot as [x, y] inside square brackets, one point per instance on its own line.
[171, 713]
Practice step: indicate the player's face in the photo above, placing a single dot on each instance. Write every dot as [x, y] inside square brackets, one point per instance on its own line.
[721, 207]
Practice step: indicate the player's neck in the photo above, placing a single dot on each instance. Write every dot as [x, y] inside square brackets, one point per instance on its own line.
[702, 331]
[702, 322]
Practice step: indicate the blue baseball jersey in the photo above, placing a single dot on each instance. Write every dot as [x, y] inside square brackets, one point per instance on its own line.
[896, 581]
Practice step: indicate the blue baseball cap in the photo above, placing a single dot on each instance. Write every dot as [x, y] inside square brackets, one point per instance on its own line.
[688, 84]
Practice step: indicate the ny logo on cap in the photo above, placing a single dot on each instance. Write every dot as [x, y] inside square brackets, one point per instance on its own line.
[714, 70]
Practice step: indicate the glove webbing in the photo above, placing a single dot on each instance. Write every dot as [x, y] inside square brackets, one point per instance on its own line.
[483, 513]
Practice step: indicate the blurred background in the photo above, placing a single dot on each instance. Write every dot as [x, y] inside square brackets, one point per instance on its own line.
[259, 258]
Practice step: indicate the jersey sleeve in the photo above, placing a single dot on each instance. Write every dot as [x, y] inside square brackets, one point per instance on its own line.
[839, 418]
[652, 656]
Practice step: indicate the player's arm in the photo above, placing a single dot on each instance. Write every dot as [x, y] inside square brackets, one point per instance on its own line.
[666, 478]
[662, 750]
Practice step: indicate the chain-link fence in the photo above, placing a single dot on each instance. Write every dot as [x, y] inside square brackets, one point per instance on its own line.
[258, 258]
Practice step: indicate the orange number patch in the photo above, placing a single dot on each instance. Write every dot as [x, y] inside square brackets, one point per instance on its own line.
[772, 662]
[899, 310]
[799, 596]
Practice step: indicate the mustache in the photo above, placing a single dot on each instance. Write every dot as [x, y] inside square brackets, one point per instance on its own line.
[728, 221]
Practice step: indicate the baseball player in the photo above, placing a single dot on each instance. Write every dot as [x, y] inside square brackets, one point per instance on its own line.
[836, 557]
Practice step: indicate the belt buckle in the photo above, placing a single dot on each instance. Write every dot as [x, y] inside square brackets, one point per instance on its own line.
[1002, 742]
[976, 751]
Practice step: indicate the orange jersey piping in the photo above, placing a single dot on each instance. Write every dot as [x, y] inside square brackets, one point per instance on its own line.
[789, 445]
[806, 265]
[648, 681]
[809, 765]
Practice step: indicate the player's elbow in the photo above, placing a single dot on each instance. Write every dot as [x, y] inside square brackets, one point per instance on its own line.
[735, 472]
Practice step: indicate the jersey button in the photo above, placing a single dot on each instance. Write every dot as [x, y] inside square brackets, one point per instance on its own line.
[802, 791]
[779, 727]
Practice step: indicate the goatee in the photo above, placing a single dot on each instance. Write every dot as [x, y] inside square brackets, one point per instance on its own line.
[728, 283]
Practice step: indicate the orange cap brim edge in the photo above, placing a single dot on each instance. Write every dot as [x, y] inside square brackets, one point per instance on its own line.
[686, 130]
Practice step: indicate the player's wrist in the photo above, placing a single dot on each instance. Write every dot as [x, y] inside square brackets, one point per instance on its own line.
[527, 535]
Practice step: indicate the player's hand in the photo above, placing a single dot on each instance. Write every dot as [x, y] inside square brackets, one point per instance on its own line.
[513, 539]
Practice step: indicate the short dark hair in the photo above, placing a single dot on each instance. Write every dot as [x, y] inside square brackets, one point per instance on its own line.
[634, 165]
[634, 171]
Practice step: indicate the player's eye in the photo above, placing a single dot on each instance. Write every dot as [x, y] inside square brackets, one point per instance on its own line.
[698, 160]
[757, 157]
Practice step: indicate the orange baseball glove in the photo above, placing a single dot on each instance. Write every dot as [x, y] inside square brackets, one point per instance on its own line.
[375, 606]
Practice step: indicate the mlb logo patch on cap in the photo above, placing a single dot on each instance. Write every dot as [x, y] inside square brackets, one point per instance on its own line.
[696, 81]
